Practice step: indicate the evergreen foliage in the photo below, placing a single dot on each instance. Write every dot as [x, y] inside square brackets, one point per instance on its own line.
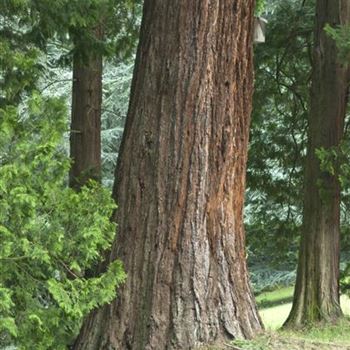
[278, 135]
[115, 102]
[278, 143]
[50, 234]
[341, 35]
[69, 22]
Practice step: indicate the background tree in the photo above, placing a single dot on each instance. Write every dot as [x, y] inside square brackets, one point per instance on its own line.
[89, 31]
[85, 136]
[277, 150]
[316, 295]
[180, 183]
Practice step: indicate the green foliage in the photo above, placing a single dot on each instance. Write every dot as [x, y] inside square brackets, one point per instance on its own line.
[345, 277]
[59, 28]
[278, 145]
[265, 277]
[335, 161]
[260, 6]
[341, 35]
[19, 69]
[273, 213]
[74, 23]
[260, 343]
[328, 159]
[116, 91]
[50, 234]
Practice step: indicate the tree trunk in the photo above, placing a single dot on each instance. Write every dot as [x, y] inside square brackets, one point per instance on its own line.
[180, 183]
[85, 138]
[316, 296]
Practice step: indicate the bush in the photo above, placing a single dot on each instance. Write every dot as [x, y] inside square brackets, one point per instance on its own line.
[49, 233]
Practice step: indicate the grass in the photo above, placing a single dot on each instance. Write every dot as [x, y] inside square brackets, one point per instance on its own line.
[274, 317]
[274, 309]
[333, 337]
[338, 333]
[279, 306]
[276, 297]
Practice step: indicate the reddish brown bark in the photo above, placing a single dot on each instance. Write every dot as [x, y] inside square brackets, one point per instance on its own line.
[85, 138]
[316, 296]
[180, 183]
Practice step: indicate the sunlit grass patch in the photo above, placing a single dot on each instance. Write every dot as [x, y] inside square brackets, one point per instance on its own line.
[330, 337]
[274, 298]
[338, 333]
[274, 316]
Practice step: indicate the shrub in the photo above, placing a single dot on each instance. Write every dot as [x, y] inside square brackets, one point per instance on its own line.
[49, 233]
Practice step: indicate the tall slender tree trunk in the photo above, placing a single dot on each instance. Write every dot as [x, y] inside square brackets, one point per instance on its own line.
[180, 183]
[85, 138]
[316, 296]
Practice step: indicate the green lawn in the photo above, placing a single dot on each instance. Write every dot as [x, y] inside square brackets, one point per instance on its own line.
[274, 306]
[275, 298]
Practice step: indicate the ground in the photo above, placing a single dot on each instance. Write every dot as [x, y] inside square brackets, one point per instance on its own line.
[275, 306]
[274, 309]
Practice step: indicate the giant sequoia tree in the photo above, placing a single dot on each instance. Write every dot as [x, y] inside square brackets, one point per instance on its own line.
[316, 296]
[180, 183]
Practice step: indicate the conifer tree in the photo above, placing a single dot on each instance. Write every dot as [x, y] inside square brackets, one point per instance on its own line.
[316, 296]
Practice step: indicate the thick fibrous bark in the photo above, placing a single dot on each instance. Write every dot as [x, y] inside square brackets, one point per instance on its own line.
[316, 296]
[85, 138]
[180, 183]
